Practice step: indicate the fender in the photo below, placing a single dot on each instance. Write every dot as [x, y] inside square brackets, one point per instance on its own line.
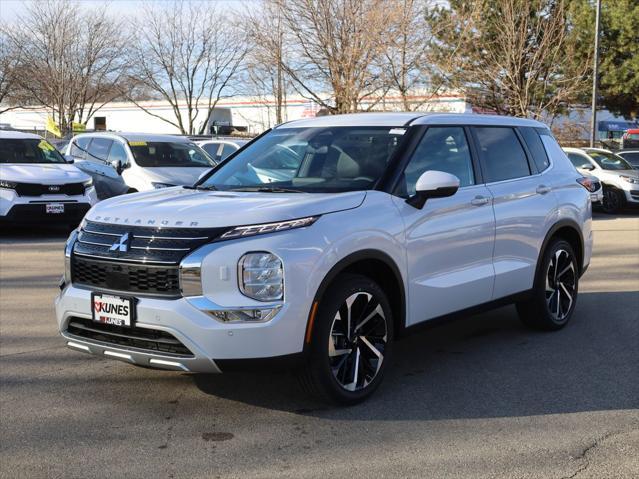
[557, 226]
[341, 266]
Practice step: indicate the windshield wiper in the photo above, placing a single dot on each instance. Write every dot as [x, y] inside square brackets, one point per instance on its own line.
[203, 188]
[266, 189]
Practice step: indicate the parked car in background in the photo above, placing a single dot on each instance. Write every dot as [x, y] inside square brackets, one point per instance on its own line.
[630, 139]
[37, 184]
[129, 162]
[387, 221]
[220, 148]
[619, 179]
[631, 156]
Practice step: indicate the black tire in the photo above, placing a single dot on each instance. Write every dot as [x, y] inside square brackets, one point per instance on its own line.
[329, 331]
[613, 200]
[555, 290]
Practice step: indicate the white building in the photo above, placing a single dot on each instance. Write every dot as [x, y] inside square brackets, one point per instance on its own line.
[249, 113]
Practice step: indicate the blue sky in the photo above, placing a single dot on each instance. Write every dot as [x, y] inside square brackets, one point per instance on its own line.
[11, 9]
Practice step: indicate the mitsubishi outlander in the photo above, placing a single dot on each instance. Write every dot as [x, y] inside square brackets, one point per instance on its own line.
[325, 239]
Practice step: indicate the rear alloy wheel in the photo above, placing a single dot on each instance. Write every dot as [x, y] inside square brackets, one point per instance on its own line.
[613, 200]
[555, 291]
[351, 341]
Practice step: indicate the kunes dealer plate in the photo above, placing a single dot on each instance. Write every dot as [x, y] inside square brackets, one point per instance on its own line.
[115, 310]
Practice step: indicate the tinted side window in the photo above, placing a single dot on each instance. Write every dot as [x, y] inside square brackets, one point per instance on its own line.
[536, 147]
[118, 153]
[503, 156]
[442, 149]
[227, 150]
[99, 149]
[211, 149]
[79, 146]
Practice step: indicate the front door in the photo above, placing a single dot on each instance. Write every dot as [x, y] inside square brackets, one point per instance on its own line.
[449, 243]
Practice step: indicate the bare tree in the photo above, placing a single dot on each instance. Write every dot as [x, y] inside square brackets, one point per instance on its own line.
[71, 59]
[264, 62]
[186, 53]
[509, 54]
[9, 62]
[335, 47]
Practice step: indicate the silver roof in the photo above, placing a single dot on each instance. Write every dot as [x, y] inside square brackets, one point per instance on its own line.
[18, 135]
[393, 119]
[138, 136]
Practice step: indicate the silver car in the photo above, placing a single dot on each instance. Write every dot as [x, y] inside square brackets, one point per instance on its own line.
[619, 179]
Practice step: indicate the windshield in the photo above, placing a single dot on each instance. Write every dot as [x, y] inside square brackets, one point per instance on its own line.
[168, 154]
[312, 160]
[31, 150]
[609, 161]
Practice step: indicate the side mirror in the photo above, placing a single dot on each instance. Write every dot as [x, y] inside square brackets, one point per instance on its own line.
[433, 184]
[587, 166]
[117, 166]
[69, 159]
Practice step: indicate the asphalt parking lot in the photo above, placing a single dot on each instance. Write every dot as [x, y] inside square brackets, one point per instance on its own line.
[480, 397]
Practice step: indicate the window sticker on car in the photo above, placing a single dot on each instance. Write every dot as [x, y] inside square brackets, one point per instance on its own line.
[137, 143]
[45, 145]
[397, 131]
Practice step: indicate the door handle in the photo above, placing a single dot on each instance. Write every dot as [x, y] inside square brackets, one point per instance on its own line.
[480, 201]
[543, 189]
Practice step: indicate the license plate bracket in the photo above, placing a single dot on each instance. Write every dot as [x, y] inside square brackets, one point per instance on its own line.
[113, 309]
[54, 208]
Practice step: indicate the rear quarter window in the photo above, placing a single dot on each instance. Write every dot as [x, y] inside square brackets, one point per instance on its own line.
[536, 147]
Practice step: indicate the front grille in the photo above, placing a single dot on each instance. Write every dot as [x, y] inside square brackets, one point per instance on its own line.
[132, 278]
[36, 189]
[141, 260]
[143, 339]
[145, 244]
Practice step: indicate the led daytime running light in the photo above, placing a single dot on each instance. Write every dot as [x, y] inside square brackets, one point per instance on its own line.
[244, 231]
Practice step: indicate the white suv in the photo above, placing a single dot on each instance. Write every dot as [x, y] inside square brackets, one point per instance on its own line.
[37, 184]
[619, 179]
[130, 162]
[388, 221]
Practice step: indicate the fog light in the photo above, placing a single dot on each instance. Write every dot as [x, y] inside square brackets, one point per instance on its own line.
[245, 315]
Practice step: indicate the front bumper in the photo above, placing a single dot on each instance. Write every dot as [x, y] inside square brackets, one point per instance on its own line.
[207, 339]
[32, 209]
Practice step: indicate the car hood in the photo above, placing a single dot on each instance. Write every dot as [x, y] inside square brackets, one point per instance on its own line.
[614, 174]
[175, 175]
[203, 209]
[49, 174]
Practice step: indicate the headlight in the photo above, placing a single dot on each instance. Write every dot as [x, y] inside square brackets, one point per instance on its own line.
[243, 231]
[88, 183]
[261, 276]
[630, 179]
[9, 185]
[157, 186]
[68, 249]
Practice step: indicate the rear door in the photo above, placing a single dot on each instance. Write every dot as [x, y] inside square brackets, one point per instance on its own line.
[524, 204]
[106, 179]
[449, 243]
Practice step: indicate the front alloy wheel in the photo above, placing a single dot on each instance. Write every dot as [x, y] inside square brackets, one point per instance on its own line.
[358, 341]
[351, 341]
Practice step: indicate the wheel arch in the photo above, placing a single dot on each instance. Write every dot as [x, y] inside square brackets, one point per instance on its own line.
[376, 265]
[570, 231]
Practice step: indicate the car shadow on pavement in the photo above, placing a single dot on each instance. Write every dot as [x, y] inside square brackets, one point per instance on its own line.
[486, 365]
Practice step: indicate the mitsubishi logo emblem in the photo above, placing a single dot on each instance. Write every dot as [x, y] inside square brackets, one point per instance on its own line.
[122, 244]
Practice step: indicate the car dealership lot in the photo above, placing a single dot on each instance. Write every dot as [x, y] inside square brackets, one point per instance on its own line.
[480, 397]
